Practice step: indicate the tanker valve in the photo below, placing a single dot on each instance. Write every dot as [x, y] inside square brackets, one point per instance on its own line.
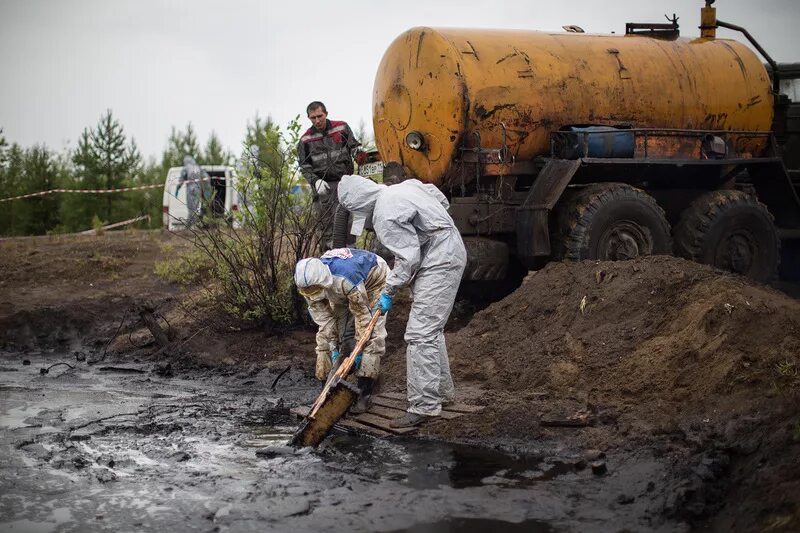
[415, 141]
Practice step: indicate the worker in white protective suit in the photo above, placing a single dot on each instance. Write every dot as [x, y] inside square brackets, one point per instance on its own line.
[411, 220]
[345, 282]
[198, 190]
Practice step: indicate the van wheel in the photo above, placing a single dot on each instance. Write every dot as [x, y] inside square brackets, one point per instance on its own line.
[611, 222]
[730, 230]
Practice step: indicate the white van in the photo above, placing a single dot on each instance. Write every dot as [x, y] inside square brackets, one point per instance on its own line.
[226, 196]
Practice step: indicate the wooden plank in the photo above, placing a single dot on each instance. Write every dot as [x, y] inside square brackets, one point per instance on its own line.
[394, 395]
[388, 402]
[381, 407]
[386, 412]
[454, 407]
[383, 410]
[382, 423]
[400, 407]
[352, 424]
[303, 410]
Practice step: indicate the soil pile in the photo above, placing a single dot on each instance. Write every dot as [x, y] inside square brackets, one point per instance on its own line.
[659, 334]
[656, 350]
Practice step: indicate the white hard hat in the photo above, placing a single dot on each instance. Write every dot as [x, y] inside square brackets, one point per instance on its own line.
[311, 271]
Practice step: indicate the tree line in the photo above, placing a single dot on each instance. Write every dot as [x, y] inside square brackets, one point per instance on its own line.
[104, 158]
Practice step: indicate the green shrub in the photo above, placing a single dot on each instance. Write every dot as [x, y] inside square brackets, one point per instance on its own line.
[187, 268]
[97, 225]
[253, 265]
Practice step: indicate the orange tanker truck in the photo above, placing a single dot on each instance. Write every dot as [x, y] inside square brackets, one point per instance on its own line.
[577, 146]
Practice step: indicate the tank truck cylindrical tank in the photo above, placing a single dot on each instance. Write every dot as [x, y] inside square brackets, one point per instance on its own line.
[525, 130]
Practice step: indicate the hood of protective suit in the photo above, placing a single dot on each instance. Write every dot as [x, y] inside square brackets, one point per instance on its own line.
[191, 170]
[312, 271]
[358, 195]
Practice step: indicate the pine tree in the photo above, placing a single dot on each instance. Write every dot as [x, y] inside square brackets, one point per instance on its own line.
[3, 149]
[148, 202]
[41, 173]
[215, 153]
[180, 144]
[263, 142]
[27, 171]
[105, 159]
[11, 178]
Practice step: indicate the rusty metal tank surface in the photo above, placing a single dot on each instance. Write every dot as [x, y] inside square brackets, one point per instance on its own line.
[449, 83]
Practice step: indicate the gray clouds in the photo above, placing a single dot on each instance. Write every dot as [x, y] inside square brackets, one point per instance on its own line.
[163, 64]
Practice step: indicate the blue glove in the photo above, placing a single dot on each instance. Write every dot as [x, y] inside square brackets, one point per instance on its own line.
[384, 303]
[334, 356]
[357, 362]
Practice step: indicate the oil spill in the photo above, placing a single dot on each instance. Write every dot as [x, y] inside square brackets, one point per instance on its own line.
[422, 464]
[478, 525]
[200, 451]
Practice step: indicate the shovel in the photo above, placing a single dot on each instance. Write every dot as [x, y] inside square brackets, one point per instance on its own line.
[335, 399]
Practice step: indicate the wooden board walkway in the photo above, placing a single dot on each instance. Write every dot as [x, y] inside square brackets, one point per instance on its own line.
[385, 407]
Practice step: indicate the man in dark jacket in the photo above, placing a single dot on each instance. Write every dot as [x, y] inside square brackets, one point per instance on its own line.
[325, 153]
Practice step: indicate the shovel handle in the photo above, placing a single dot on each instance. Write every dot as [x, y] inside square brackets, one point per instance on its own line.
[347, 365]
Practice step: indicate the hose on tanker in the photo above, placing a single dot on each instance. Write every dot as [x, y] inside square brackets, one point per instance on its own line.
[340, 229]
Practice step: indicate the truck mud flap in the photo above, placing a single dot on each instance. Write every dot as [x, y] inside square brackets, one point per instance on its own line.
[533, 234]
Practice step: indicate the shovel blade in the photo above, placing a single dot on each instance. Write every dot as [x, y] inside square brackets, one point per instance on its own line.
[335, 405]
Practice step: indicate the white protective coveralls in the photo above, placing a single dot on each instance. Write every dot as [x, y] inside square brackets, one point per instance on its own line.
[411, 220]
[191, 176]
[353, 280]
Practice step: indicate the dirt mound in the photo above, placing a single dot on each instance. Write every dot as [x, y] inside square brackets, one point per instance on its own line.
[697, 362]
[655, 333]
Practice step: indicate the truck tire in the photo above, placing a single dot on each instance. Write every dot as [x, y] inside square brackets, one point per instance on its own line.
[491, 274]
[487, 259]
[611, 221]
[730, 230]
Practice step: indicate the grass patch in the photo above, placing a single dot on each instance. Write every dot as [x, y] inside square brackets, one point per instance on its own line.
[184, 268]
[107, 263]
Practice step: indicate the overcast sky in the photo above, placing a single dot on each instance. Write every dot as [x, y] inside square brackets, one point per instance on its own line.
[162, 63]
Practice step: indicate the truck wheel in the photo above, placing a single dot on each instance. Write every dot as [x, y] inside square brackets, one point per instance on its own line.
[487, 259]
[730, 230]
[612, 221]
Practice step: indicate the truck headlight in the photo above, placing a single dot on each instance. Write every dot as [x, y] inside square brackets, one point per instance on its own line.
[415, 141]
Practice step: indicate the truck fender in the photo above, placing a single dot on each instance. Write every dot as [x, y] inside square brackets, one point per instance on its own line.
[533, 233]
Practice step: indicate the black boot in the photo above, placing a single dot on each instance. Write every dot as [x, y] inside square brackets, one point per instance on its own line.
[362, 404]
